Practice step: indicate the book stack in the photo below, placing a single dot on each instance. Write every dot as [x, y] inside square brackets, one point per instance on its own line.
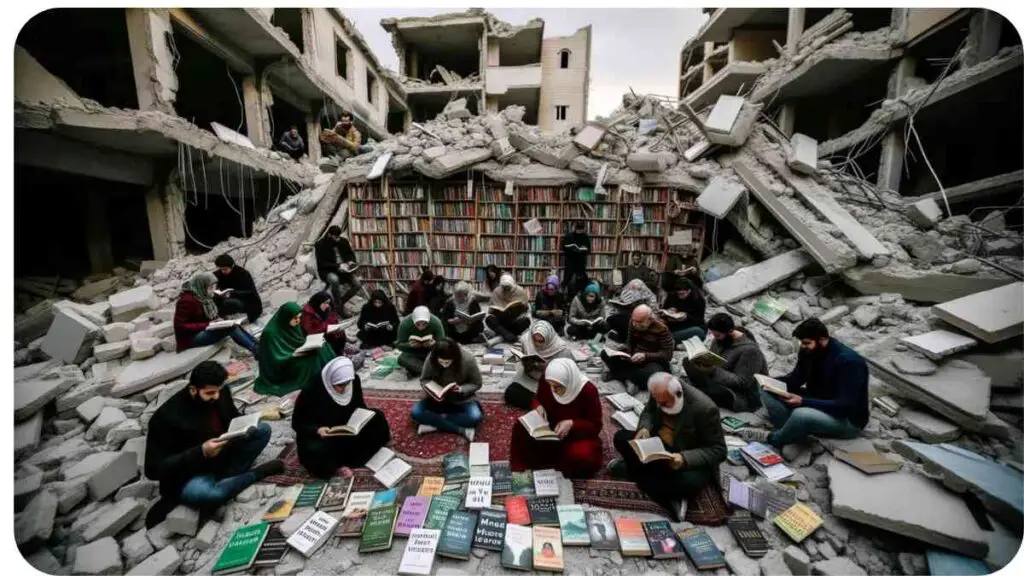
[765, 461]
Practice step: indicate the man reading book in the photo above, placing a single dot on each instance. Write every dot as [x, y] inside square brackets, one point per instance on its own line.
[334, 255]
[457, 410]
[184, 455]
[240, 294]
[688, 424]
[508, 315]
[826, 393]
[417, 334]
[683, 311]
[463, 320]
[731, 385]
[649, 345]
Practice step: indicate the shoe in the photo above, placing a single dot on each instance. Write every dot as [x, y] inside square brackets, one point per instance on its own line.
[753, 434]
[425, 429]
[269, 468]
[469, 433]
[632, 389]
[617, 469]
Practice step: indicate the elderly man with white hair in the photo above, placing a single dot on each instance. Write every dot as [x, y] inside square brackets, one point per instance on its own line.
[688, 424]
[649, 345]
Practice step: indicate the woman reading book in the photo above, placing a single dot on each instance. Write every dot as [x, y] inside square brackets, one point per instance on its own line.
[540, 345]
[325, 415]
[508, 315]
[421, 292]
[378, 322]
[318, 315]
[683, 311]
[549, 304]
[282, 371]
[633, 294]
[572, 407]
[195, 313]
[461, 315]
[586, 314]
[417, 334]
[450, 380]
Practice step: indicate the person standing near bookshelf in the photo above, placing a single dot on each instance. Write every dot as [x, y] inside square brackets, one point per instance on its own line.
[456, 326]
[317, 315]
[330, 403]
[575, 251]
[243, 296]
[572, 406]
[689, 426]
[332, 252]
[281, 371]
[650, 348]
[689, 302]
[633, 294]
[194, 312]
[377, 311]
[508, 315]
[549, 304]
[732, 385]
[421, 292]
[586, 314]
[419, 332]
[457, 411]
[541, 345]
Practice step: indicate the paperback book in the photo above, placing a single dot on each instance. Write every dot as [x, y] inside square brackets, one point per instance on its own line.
[335, 494]
[543, 510]
[517, 549]
[412, 516]
[478, 493]
[241, 550]
[393, 472]
[282, 508]
[274, 547]
[354, 515]
[573, 523]
[537, 426]
[650, 449]
[379, 459]
[360, 417]
[383, 498]
[240, 426]
[490, 530]
[379, 530]
[431, 486]
[547, 549]
[798, 522]
[601, 529]
[309, 496]
[418, 558]
[518, 511]
[748, 535]
[313, 533]
[456, 468]
[632, 539]
[701, 549]
[545, 482]
[501, 472]
[457, 535]
[522, 483]
[440, 508]
[662, 540]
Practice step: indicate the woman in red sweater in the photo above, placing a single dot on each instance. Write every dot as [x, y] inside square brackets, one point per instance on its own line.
[194, 312]
[572, 406]
[317, 315]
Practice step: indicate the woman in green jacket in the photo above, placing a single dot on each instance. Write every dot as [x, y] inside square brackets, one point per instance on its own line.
[281, 371]
[421, 324]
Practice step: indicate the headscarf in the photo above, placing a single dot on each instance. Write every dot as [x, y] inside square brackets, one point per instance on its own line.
[336, 371]
[636, 292]
[461, 296]
[506, 281]
[554, 280]
[591, 288]
[567, 373]
[420, 314]
[199, 287]
[316, 300]
[280, 372]
[503, 297]
[553, 343]
[371, 313]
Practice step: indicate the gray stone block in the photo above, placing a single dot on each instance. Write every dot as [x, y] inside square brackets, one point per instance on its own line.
[206, 537]
[136, 446]
[136, 548]
[183, 520]
[139, 376]
[35, 522]
[27, 435]
[117, 331]
[31, 395]
[144, 347]
[142, 324]
[114, 519]
[925, 213]
[163, 563]
[100, 557]
[70, 338]
[54, 455]
[127, 305]
[90, 409]
[841, 566]
[96, 386]
[122, 432]
[797, 560]
[26, 486]
[70, 494]
[142, 489]
[112, 351]
[772, 564]
[162, 330]
[107, 419]
[44, 561]
[105, 472]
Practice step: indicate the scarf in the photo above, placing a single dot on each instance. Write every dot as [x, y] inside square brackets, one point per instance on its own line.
[460, 297]
[318, 299]
[371, 313]
[591, 288]
[280, 372]
[199, 287]
[421, 314]
[567, 373]
[553, 281]
[676, 390]
[636, 291]
[507, 291]
[553, 343]
[335, 372]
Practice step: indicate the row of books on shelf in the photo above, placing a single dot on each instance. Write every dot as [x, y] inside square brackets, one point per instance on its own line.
[368, 210]
[455, 226]
[500, 211]
[454, 210]
[408, 225]
[451, 242]
[538, 260]
[376, 242]
[369, 225]
[650, 212]
[503, 261]
[368, 258]
[453, 258]
[647, 229]
[540, 243]
[631, 243]
[497, 227]
[405, 209]
[550, 211]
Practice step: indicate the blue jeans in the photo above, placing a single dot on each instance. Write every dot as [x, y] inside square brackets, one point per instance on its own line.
[448, 417]
[241, 337]
[795, 424]
[684, 334]
[210, 491]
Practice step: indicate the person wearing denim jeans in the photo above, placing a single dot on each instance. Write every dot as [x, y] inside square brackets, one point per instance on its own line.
[794, 424]
[237, 334]
[457, 411]
[332, 252]
[683, 311]
[194, 312]
[236, 473]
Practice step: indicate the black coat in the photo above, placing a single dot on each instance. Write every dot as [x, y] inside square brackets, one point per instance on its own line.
[327, 251]
[575, 260]
[694, 306]
[243, 287]
[315, 409]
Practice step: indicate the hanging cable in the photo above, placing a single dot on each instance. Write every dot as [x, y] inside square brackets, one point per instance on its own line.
[238, 95]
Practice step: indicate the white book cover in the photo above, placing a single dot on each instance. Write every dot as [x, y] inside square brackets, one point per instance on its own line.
[479, 454]
[316, 530]
[223, 324]
[627, 419]
[545, 482]
[313, 342]
[240, 425]
[393, 472]
[382, 457]
[478, 494]
[480, 470]
[623, 401]
[418, 558]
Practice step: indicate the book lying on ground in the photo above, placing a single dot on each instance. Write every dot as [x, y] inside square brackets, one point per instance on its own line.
[650, 449]
[734, 446]
[313, 533]
[385, 325]
[601, 530]
[699, 354]
[494, 356]
[241, 550]
[440, 507]
[517, 510]
[623, 401]
[545, 482]
[478, 493]
[517, 549]
[543, 510]
[360, 417]
[613, 353]
[537, 426]
[287, 403]
[501, 472]
[514, 307]
[764, 455]
[273, 549]
[431, 486]
[778, 497]
[379, 531]
[479, 454]
[457, 535]
[380, 458]
[547, 549]
[775, 472]
[798, 522]
[409, 487]
[418, 558]
[354, 515]
[732, 424]
[490, 530]
[427, 340]
[573, 523]
[223, 324]
[868, 462]
[471, 317]
[241, 426]
[662, 540]
[522, 483]
[456, 468]
[748, 535]
[313, 343]
[413, 515]
[769, 384]
[701, 549]
[627, 419]
[310, 495]
[768, 310]
[632, 540]
[282, 508]
[393, 472]
[383, 498]
[746, 496]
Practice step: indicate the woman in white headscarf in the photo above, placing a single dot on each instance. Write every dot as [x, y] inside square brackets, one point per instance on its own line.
[539, 345]
[453, 315]
[508, 315]
[572, 407]
[328, 403]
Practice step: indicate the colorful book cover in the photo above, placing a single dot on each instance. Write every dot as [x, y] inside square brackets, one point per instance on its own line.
[431, 486]
[632, 540]
[798, 522]
[383, 498]
[601, 528]
[573, 523]
[543, 510]
[518, 512]
[517, 550]
[310, 495]
[274, 547]
[762, 453]
[379, 529]
[413, 515]
[457, 536]
[335, 494]
[440, 507]
[456, 467]
[501, 472]
[354, 515]
[282, 508]
[547, 549]
[241, 549]
[410, 487]
[662, 540]
[490, 530]
[701, 549]
[522, 483]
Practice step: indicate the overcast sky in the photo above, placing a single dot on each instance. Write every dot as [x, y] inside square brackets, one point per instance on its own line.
[636, 48]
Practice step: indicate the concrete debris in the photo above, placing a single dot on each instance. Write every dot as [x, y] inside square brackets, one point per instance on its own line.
[104, 472]
[803, 154]
[113, 519]
[754, 279]
[183, 520]
[720, 196]
[144, 347]
[925, 213]
[206, 537]
[136, 548]
[842, 566]
[127, 305]
[163, 563]
[590, 135]
[913, 365]
[992, 316]
[100, 557]
[27, 435]
[35, 522]
[70, 338]
[108, 418]
[138, 376]
[30, 396]
[731, 121]
[108, 352]
[928, 428]
[939, 344]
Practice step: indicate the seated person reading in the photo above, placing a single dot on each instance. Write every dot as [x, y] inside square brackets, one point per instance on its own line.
[732, 385]
[318, 315]
[378, 322]
[649, 349]
[418, 333]
[633, 294]
[549, 304]
[454, 315]
[196, 310]
[508, 315]
[450, 380]
[586, 314]
[282, 369]
[540, 345]
[683, 312]
[238, 290]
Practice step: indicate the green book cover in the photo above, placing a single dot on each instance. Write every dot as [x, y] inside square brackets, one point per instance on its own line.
[310, 495]
[502, 474]
[440, 507]
[457, 536]
[573, 523]
[522, 483]
[379, 529]
[241, 549]
[456, 467]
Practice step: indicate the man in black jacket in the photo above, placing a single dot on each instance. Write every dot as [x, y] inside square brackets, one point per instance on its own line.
[333, 251]
[575, 251]
[184, 455]
[243, 296]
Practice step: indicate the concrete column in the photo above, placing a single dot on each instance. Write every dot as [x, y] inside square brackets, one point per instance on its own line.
[313, 136]
[152, 62]
[890, 165]
[256, 114]
[414, 63]
[794, 29]
[787, 118]
[97, 233]
[982, 37]
[166, 227]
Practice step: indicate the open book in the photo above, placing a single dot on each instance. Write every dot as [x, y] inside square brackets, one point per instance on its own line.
[224, 324]
[769, 384]
[436, 391]
[673, 314]
[393, 472]
[332, 328]
[650, 449]
[240, 426]
[699, 354]
[514, 306]
[223, 292]
[613, 353]
[354, 425]
[348, 268]
[385, 325]
[525, 357]
[576, 247]
[588, 322]
[313, 343]
[427, 340]
[627, 419]
[471, 317]
[533, 227]
[537, 426]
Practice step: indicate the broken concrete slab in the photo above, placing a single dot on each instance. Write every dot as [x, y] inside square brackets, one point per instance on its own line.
[279, 297]
[27, 435]
[754, 279]
[1003, 545]
[30, 396]
[183, 520]
[90, 409]
[142, 489]
[918, 285]
[206, 537]
[646, 162]
[797, 560]
[739, 125]
[100, 557]
[108, 418]
[136, 548]
[137, 446]
[26, 486]
[939, 344]
[125, 306]
[115, 518]
[123, 431]
[590, 135]
[834, 313]
[55, 454]
[803, 154]
[925, 213]
[907, 504]
[720, 196]
[992, 316]
[70, 338]
[452, 162]
[112, 351]
[143, 348]
[913, 365]
[724, 113]
[144, 374]
[34, 322]
[105, 472]
[928, 428]
[841, 566]
[35, 523]
[163, 563]
[44, 561]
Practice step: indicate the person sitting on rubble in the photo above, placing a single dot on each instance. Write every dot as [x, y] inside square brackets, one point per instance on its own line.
[183, 452]
[194, 312]
[586, 314]
[439, 296]
[281, 370]
[350, 141]
[318, 315]
[291, 143]
[683, 311]
[329, 403]
[333, 253]
[549, 304]
[378, 322]
[457, 412]
[649, 347]
[456, 325]
[508, 314]
[572, 406]
[539, 345]
[638, 270]
[689, 425]
[633, 294]
[421, 292]
[418, 333]
[241, 294]
[678, 267]
[732, 385]
[827, 391]
[575, 252]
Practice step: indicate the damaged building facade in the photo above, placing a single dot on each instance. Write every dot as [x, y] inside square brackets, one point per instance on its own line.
[493, 65]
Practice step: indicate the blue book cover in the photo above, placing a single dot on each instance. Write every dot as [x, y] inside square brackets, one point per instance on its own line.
[383, 498]
[701, 549]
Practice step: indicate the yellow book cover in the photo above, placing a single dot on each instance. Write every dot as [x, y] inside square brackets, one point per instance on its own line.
[798, 521]
[431, 486]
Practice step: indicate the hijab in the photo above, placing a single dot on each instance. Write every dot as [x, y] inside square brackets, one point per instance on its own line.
[199, 287]
[636, 292]
[280, 372]
[421, 314]
[337, 371]
[461, 296]
[371, 313]
[507, 291]
[553, 280]
[567, 373]
[553, 343]
[318, 299]
[591, 288]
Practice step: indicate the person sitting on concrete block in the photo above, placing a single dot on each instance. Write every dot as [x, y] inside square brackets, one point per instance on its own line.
[827, 391]
[689, 302]
[731, 385]
[540, 345]
[383, 316]
[549, 304]
[291, 143]
[318, 315]
[508, 315]
[328, 403]
[331, 252]
[457, 411]
[418, 333]
[586, 314]
[650, 348]
[689, 425]
[457, 327]
[633, 294]
[183, 453]
[281, 370]
[348, 141]
[194, 312]
[243, 296]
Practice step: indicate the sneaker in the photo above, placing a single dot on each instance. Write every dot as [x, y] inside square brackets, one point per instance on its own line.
[632, 388]
[269, 468]
[425, 429]
[753, 434]
[469, 433]
[617, 469]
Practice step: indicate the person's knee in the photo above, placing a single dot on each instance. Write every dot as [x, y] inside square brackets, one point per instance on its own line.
[474, 414]
[418, 410]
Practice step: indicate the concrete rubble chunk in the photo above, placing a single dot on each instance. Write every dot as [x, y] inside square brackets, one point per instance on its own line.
[126, 430]
[724, 113]
[991, 316]
[841, 566]
[913, 365]
[279, 297]
[939, 344]
[114, 519]
[138, 376]
[69, 451]
[27, 435]
[928, 428]
[923, 247]
[590, 135]
[112, 351]
[797, 560]
[136, 548]
[100, 557]
[142, 489]
[454, 161]
[758, 277]
[734, 123]
[105, 472]
[833, 314]
[163, 563]
[865, 316]
[183, 520]
[144, 347]
[70, 338]
[720, 196]
[136, 446]
[127, 305]
[646, 162]
[773, 564]
[162, 330]
[117, 331]
[30, 396]
[740, 564]
[26, 487]
[35, 522]
[206, 537]
[44, 561]
[159, 536]
[96, 386]
[108, 418]
[803, 153]
[90, 409]
[925, 213]
[141, 324]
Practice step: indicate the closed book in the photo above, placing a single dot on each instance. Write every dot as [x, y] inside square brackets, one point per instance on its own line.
[241, 549]
[283, 506]
[413, 515]
[748, 535]
[522, 483]
[701, 549]
[479, 454]
[409, 487]
[383, 498]
[501, 472]
[662, 540]
[518, 511]
[354, 515]
[868, 462]
[543, 510]
[313, 533]
[545, 482]
[732, 424]
[335, 494]
[379, 459]
[764, 455]
[418, 558]
[310, 495]
[517, 550]
[379, 529]
[274, 547]
[456, 467]
[478, 493]
[798, 522]
[490, 530]
[632, 540]
[601, 529]
[431, 486]
[440, 507]
[573, 523]
[547, 549]
[457, 535]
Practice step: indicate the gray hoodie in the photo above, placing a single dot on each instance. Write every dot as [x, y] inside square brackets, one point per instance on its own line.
[468, 378]
[743, 359]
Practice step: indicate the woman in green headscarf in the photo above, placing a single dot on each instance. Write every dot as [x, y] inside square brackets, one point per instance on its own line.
[280, 371]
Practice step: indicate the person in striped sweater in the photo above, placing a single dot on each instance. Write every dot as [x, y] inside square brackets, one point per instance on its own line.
[649, 346]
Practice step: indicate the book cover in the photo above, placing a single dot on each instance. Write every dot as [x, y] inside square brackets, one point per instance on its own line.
[478, 493]
[543, 510]
[354, 515]
[335, 494]
[547, 549]
[518, 511]
[480, 471]
[392, 473]
[457, 535]
[573, 523]
[283, 506]
[764, 455]
[310, 495]
[413, 515]
[632, 540]
[501, 472]
[868, 462]
[701, 549]
[440, 507]
[241, 549]
[522, 483]
[662, 540]
[410, 487]
[490, 530]
[601, 528]
[456, 467]
[479, 454]
[748, 535]
[313, 533]
[517, 550]
[431, 486]
[383, 498]
[418, 558]
[379, 529]
[274, 547]
[545, 483]
[732, 423]
[798, 522]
